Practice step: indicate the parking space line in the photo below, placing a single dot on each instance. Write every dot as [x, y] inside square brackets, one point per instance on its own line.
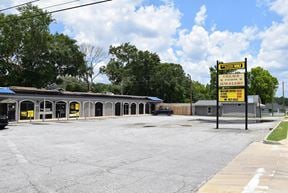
[20, 158]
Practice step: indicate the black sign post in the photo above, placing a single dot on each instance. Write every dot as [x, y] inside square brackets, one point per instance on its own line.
[217, 95]
[246, 96]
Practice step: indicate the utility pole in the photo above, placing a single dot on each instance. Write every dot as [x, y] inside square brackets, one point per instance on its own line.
[191, 89]
[283, 95]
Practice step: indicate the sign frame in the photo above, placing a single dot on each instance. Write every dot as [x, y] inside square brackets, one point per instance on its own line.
[232, 66]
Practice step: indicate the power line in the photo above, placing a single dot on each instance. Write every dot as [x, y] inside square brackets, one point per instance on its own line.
[56, 5]
[20, 5]
[56, 11]
[79, 6]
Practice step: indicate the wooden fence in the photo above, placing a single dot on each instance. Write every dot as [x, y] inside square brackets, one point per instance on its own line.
[178, 108]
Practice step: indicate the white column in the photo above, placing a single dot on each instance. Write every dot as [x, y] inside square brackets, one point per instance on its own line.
[67, 109]
[44, 111]
[17, 111]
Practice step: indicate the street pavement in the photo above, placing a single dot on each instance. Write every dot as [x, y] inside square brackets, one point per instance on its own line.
[145, 154]
[261, 168]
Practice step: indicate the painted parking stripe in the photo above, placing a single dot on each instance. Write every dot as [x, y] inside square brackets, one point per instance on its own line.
[20, 158]
[252, 186]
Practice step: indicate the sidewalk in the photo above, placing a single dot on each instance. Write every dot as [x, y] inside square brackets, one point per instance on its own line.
[260, 168]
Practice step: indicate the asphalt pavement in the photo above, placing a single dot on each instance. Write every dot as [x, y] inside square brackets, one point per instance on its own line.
[145, 154]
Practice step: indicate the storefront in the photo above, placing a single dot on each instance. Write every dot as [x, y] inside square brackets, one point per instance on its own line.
[26, 103]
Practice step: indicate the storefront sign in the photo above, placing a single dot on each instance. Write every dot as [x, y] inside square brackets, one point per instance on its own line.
[226, 80]
[232, 95]
[231, 66]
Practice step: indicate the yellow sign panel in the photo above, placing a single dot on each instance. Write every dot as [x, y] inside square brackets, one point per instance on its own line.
[30, 114]
[231, 80]
[231, 66]
[232, 95]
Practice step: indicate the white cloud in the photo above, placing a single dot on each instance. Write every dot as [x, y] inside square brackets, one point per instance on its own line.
[148, 27]
[199, 49]
[201, 16]
[280, 7]
[274, 44]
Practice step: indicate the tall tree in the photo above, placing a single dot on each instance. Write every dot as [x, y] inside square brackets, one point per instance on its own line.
[131, 69]
[200, 91]
[262, 83]
[141, 73]
[93, 56]
[30, 55]
[168, 82]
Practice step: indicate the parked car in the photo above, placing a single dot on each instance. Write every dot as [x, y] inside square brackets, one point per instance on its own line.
[3, 121]
[163, 110]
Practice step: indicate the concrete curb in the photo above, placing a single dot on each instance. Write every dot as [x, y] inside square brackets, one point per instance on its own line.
[55, 120]
[266, 141]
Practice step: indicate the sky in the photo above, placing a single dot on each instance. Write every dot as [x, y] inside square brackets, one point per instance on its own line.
[193, 33]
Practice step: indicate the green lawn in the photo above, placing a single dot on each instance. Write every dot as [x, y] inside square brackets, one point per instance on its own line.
[279, 133]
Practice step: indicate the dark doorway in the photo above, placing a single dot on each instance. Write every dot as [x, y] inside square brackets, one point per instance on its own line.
[98, 109]
[117, 109]
[60, 109]
[133, 109]
[153, 107]
[141, 108]
[126, 109]
[147, 108]
[8, 109]
[11, 111]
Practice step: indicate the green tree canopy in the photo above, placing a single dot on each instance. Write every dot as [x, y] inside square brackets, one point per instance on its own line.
[131, 69]
[262, 83]
[30, 55]
[168, 82]
[200, 91]
[141, 73]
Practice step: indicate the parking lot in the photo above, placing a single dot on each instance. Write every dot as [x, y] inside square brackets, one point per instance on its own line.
[145, 154]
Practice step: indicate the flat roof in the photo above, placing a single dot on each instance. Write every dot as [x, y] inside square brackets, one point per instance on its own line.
[32, 90]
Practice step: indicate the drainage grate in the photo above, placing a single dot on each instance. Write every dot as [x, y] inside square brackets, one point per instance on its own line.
[186, 125]
[40, 123]
[149, 126]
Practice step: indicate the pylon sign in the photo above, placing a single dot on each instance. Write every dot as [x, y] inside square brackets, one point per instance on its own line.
[232, 87]
[231, 66]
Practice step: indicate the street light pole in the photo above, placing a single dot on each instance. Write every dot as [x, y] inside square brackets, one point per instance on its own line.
[191, 109]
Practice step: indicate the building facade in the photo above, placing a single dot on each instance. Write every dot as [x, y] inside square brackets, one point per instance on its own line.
[232, 109]
[26, 103]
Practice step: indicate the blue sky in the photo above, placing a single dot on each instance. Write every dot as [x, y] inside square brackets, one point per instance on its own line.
[193, 33]
[228, 14]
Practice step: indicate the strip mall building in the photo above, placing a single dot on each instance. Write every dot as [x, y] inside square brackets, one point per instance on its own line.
[26, 103]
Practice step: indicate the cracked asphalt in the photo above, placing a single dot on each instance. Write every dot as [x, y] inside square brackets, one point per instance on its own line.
[148, 154]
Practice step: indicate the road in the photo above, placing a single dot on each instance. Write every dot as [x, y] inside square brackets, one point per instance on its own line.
[148, 154]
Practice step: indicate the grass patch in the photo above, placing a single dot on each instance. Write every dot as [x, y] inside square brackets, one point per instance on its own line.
[279, 133]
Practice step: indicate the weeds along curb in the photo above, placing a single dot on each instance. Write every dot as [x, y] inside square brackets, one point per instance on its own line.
[266, 141]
